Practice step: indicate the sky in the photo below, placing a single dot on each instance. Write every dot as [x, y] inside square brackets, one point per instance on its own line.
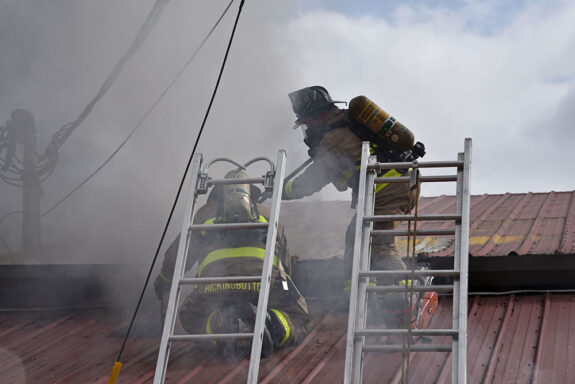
[500, 73]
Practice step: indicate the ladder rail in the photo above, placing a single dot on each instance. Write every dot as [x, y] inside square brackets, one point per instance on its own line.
[267, 270]
[461, 262]
[179, 270]
[353, 355]
[365, 259]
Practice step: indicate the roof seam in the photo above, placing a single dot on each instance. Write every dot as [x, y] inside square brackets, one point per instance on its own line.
[506, 223]
[567, 226]
[527, 247]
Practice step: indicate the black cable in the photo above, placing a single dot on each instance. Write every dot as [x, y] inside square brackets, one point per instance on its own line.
[170, 85]
[185, 66]
[60, 136]
[181, 184]
[9, 214]
[63, 133]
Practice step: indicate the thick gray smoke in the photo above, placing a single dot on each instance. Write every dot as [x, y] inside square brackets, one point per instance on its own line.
[56, 55]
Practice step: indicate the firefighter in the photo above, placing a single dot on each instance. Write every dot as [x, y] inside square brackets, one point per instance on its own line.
[335, 147]
[231, 307]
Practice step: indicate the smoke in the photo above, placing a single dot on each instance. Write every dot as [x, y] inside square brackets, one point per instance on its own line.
[55, 57]
[488, 70]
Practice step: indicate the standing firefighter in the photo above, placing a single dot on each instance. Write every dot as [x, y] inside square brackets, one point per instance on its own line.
[231, 307]
[334, 137]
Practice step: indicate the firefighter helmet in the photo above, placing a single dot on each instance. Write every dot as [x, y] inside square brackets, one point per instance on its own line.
[307, 101]
[218, 191]
[236, 198]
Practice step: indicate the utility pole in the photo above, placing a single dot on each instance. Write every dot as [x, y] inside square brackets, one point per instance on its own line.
[31, 190]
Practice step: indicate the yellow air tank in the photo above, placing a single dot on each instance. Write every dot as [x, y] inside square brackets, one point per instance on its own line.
[380, 123]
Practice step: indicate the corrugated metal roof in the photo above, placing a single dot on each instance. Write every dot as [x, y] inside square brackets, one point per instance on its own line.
[511, 339]
[519, 223]
[500, 225]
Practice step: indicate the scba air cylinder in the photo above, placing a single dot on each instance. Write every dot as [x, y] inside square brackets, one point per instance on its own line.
[236, 201]
[381, 124]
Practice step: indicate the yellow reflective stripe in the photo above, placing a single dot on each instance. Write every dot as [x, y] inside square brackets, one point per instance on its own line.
[209, 323]
[402, 282]
[261, 219]
[347, 285]
[390, 173]
[284, 323]
[344, 177]
[288, 190]
[229, 253]
[164, 277]
[208, 221]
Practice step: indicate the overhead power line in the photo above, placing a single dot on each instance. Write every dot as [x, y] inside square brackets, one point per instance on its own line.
[12, 167]
[182, 180]
[144, 117]
[152, 107]
[14, 170]
[63, 133]
[164, 92]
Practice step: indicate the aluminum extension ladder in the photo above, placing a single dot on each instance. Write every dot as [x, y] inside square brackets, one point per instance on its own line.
[357, 332]
[273, 183]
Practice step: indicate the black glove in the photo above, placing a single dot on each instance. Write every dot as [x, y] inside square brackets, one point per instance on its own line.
[264, 196]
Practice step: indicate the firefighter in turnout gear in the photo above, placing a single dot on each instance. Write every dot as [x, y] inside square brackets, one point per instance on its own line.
[335, 139]
[231, 307]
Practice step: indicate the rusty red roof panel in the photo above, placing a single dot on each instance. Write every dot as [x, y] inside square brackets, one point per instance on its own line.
[500, 225]
[515, 338]
[509, 224]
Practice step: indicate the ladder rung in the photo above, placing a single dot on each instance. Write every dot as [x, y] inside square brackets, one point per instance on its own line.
[412, 348]
[213, 336]
[223, 279]
[379, 218]
[419, 232]
[437, 178]
[426, 164]
[413, 332]
[407, 274]
[415, 288]
[220, 227]
[252, 180]
[422, 179]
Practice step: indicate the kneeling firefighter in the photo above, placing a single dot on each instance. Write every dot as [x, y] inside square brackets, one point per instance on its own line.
[231, 307]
